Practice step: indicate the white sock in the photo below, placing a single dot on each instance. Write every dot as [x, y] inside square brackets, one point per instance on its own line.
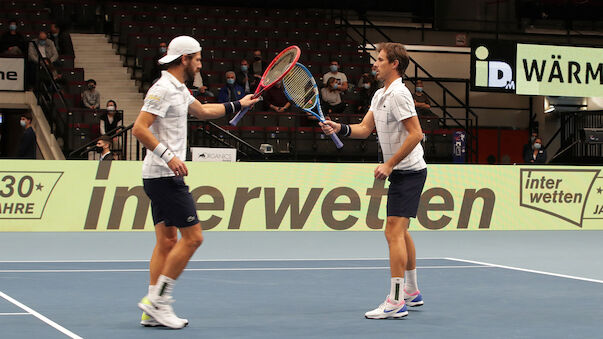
[395, 292]
[151, 289]
[410, 283]
[164, 286]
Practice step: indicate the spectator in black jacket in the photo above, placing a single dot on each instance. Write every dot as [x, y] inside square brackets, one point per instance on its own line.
[62, 40]
[27, 146]
[12, 42]
[536, 155]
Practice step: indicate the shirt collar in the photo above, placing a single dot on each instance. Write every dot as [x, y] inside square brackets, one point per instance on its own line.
[395, 84]
[173, 79]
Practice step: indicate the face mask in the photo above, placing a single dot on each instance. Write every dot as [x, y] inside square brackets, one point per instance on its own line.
[366, 85]
[537, 146]
[110, 108]
[42, 42]
[55, 34]
[230, 81]
[163, 49]
[333, 68]
[419, 89]
[373, 73]
[23, 123]
[335, 85]
[244, 68]
[12, 27]
[257, 58]
[90, 86]
[99, 149]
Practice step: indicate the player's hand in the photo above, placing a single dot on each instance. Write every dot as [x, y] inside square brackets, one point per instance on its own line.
[247, 101]
[178, 167]
[383, 171]
[329, 127]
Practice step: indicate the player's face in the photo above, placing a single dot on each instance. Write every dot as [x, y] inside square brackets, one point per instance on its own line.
[194, 65]
[383, 66]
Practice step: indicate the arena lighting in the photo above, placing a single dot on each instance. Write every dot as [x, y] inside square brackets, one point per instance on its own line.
[550, 109]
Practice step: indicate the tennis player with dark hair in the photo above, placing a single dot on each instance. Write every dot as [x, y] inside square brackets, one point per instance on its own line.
[393, 113]
[161, 127]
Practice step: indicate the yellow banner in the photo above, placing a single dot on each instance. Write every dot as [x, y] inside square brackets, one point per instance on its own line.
[559, 70]
[44, 196]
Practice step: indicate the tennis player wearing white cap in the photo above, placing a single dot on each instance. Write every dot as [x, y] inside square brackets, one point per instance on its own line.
[161, 126]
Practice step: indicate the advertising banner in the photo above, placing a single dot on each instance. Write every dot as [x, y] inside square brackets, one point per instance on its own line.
[12, 74]
[88, 196]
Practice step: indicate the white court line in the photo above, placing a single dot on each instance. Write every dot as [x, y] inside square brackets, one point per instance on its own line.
[40, 316]
[3, 314]
[199, 260]
[243, 269]
[527, 270]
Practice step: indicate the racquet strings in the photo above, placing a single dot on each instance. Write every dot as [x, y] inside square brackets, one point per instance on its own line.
[300, 87]
[280, 66]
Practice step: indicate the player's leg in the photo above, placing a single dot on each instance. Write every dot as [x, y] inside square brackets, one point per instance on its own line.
[394, 306]
[184, 249]
[412, 295]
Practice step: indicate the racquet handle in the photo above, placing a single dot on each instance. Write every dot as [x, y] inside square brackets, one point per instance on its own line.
[336, 140]
[234, 121]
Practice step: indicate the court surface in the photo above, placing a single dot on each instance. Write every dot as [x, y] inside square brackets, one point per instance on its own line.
[311, 284]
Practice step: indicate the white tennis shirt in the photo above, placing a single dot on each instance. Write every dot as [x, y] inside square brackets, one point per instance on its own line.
[390, 107]
[169, 100]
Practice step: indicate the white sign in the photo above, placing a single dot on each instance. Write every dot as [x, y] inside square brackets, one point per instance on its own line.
[214, 154]
[12, 74]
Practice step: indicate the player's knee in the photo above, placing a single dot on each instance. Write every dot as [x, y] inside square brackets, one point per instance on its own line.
[167, 243]
[194, 241]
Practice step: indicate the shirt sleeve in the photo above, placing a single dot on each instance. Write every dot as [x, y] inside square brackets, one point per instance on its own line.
[190, 99]
[156, 101]
[403, 106]
[344, 78]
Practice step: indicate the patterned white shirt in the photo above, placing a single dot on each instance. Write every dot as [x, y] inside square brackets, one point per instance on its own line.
[390, 107]
[169, 100]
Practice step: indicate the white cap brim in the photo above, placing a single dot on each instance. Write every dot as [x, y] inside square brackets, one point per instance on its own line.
[168, 58]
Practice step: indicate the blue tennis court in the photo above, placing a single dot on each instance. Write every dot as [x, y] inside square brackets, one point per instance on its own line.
[318, 297]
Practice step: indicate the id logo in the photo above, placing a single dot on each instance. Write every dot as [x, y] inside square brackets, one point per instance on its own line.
[496, 74]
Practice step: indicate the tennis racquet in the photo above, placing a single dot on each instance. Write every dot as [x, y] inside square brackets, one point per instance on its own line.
[278, 68]
[300, 88]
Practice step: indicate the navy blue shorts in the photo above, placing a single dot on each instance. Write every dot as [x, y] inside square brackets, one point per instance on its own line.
[404, 192]
[171, 201]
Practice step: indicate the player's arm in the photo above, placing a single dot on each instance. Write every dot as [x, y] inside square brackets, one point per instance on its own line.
[142, 132]
[356, 131]
[415, 135]
[213, 111]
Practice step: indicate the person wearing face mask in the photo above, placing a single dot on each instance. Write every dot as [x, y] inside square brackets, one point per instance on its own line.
[231, 91]
[62, 40]
[537, 155]
[12, 42]
[367, 86]
[46, 47]
[257, 68]
[275, 99]
[243, 78]
[27, 145]
[422, 103]
[110, 121]
[527, 147]
[103, 147]
[331, 99]
[90, 96]
[340, 77]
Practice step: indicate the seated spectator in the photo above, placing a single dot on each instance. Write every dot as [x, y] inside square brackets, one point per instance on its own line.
[62, 40]
[331, 98]
[536, 155]
[367, 86]
[12, 42]
[231, 91]
[201, 84]
[27, 145]
[422, 103]
[90, 96]
[374, 75]
[275, 99]
[243, 78]
[46, 47]
[257, 69]
[155, 72]
[340, 77]
[103, 147]
[110, 121]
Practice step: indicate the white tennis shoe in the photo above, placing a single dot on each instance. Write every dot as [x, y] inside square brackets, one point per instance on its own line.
[388, 309]
[162, 312]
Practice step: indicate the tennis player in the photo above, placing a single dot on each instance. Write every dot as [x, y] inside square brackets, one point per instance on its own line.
[161, 127]
[393, 113]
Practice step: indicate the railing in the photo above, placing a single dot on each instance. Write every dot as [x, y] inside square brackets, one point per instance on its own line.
[122, 136]
[471, 118]
[573, 148]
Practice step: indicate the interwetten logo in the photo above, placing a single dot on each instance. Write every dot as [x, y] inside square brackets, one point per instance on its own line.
[571, 195]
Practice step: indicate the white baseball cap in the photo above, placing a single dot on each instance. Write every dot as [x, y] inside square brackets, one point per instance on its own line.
[179, 46]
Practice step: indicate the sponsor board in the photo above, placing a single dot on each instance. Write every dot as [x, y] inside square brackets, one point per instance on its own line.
[214, 154]
[90, 197]
[12, 74]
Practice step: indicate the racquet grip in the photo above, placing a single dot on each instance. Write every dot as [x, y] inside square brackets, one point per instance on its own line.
[336, 140]
[234, 121]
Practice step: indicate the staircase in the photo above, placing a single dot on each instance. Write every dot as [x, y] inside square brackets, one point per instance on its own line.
[100, 62]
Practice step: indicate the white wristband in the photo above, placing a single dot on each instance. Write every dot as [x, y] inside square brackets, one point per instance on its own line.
[163, 152]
